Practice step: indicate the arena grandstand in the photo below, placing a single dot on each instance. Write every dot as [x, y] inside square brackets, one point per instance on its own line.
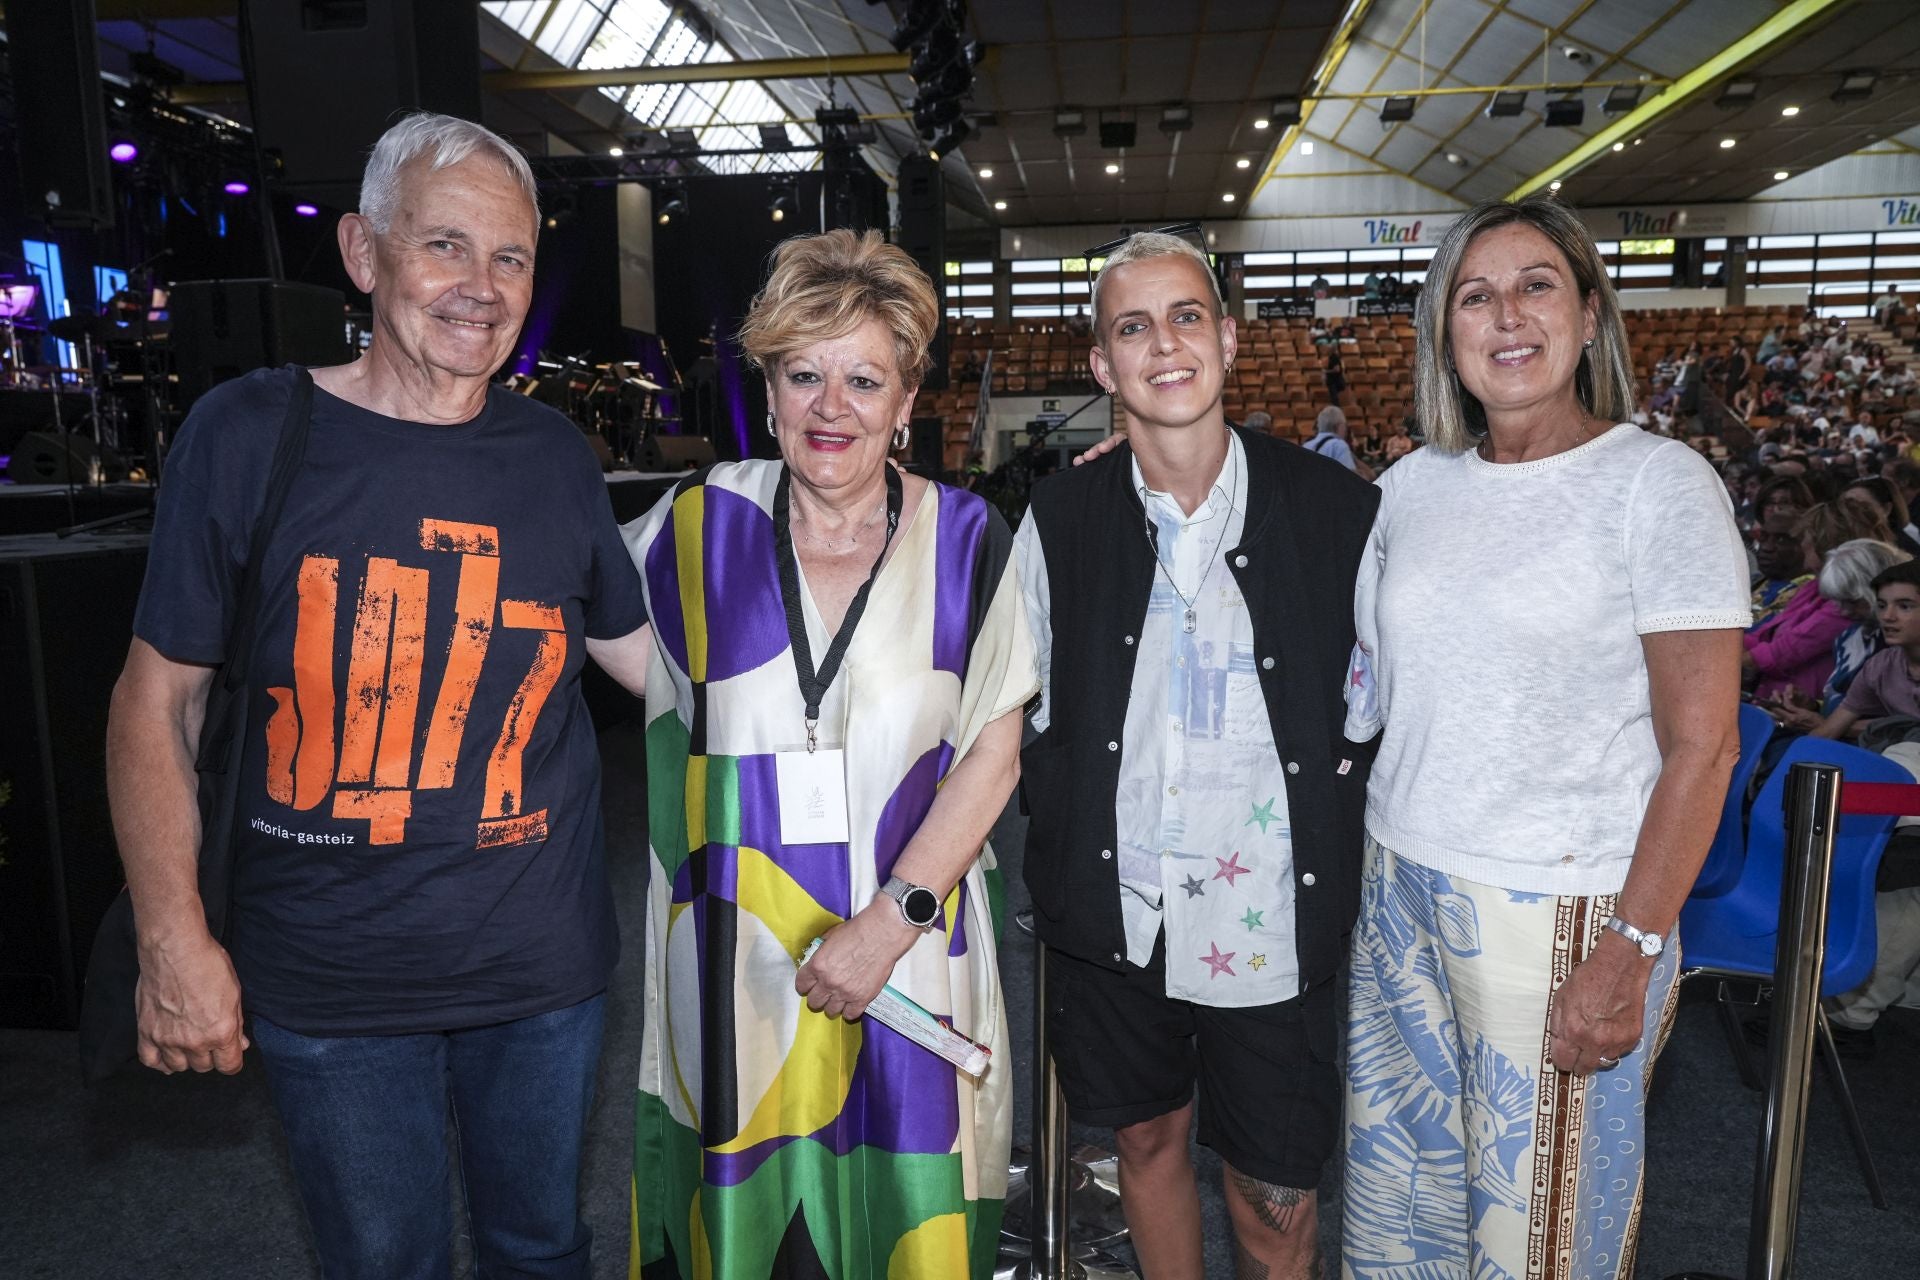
[176, 178]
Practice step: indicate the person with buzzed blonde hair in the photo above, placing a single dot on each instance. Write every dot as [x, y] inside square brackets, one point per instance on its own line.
[1194, 853]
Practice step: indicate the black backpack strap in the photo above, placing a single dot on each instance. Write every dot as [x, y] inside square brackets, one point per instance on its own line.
[287, 457]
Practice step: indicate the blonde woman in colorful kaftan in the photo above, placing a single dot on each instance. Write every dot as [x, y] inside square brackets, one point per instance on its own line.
[819, 605]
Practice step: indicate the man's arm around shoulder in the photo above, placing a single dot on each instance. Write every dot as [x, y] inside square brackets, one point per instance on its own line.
[188, 998]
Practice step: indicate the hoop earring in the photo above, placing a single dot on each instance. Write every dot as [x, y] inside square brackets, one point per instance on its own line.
[902, 437]
[770, 430]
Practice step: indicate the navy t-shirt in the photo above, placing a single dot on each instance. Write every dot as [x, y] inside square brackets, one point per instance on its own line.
[420, 844]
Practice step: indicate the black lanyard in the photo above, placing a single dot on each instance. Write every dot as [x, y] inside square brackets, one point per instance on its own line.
[814, 684]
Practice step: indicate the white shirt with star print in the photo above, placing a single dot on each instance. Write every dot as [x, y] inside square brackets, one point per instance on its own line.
[1206, 849]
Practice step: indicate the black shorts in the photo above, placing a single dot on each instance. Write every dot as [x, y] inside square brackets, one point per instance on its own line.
[1126, 1052]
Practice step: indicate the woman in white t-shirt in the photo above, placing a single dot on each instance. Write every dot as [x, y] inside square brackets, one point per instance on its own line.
[1550, 631]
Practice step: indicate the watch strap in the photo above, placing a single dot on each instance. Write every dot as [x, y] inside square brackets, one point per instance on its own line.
[1638, 937]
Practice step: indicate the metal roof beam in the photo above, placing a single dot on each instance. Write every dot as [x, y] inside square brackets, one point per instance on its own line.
[858, 64]
[1757, 43]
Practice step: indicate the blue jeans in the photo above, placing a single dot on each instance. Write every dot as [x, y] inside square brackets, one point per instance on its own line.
[366, 1122]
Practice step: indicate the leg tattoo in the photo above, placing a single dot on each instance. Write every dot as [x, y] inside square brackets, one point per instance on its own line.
[1246, 1266]
[1273, 1205]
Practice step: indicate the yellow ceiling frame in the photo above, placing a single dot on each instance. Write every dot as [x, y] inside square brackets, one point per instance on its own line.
[1787, 22]
[1322, 75]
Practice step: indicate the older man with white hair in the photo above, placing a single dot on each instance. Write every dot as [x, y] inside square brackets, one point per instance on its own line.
[1329, 438]
[421, 924]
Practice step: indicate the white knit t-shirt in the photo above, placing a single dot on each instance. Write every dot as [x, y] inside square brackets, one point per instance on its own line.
[1500, 609]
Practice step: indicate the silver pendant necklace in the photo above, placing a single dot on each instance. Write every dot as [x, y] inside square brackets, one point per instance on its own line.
[1191, 619]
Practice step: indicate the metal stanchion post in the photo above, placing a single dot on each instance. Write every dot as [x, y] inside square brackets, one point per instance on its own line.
[1813, 820]
[1053, 1175]
[1813, 816]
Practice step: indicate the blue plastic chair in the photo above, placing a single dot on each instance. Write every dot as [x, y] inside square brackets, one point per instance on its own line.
[1733, 936]
[1728, 854]
[1734, 933]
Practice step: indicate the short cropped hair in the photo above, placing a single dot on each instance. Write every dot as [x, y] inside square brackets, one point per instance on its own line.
[1155, 244]
[443, 141]
[1849, 573]
[1907, 571]
[1260, 421]
[825, 286]
[1449, 413]
[1330, 420]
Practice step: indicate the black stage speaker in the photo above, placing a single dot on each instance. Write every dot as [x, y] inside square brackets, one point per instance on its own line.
[927, 450]
[673, 453]
[59, 114]
[331, 75]
[48, 457]
[224, 328]
[923, 234]
[66, 616]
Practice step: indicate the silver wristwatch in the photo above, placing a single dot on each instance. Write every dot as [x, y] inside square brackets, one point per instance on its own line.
[1650, 944]
[919, 905]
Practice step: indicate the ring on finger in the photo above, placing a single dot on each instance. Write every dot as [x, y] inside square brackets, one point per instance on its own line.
[1608, 1064]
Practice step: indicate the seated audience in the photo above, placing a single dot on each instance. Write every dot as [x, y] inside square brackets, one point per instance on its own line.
[1888, 504]
[1794, 647]
[1847, 579]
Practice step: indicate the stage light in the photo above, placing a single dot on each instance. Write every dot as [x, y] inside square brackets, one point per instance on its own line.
[1285, 112]
[1619, 146]
[1226, 197]
[1856, 86]
[1069, 122]
[1554, 185]
[1261, 123]
[1780, 175]
[1113, 168]
[920, 17]
[1000, 206]
[1457, 160]
[1789, 111]
[1396, 110]
[1118, 135]
[682, 141]
[773, 137]
[307, 210]
[1737, 93]
[949, 139]
[986, 173]
[782, 202]
[123, 152]
[235, 187]
[1306, 147]
[1243, 163]
[1566, 113]
[1727, 144]
[1176, 119]
[1507, 102]
[1622, 98]
[674, 205]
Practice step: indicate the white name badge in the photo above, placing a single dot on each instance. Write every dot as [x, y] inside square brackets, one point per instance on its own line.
[813, 796]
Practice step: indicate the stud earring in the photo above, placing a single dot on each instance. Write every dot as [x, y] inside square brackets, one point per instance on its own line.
[1587, 343]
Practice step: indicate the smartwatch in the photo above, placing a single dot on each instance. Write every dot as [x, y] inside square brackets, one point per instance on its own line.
[1650, 944]
[919, 905]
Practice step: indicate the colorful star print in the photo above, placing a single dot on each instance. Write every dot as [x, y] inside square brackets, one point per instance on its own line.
[1263, 814]
[1230, 869]
[1257, 962]
[1195, 888]
[1220, 963]
[1252, 919]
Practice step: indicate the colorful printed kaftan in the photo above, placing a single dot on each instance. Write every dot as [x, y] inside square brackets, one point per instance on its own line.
[771, 1140]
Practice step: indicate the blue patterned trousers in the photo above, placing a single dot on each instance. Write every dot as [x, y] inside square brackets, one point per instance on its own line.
[1469, 1155]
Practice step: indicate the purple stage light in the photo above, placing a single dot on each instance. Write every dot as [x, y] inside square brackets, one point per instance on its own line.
[123, 152]
[307, 210]
[236, 188]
